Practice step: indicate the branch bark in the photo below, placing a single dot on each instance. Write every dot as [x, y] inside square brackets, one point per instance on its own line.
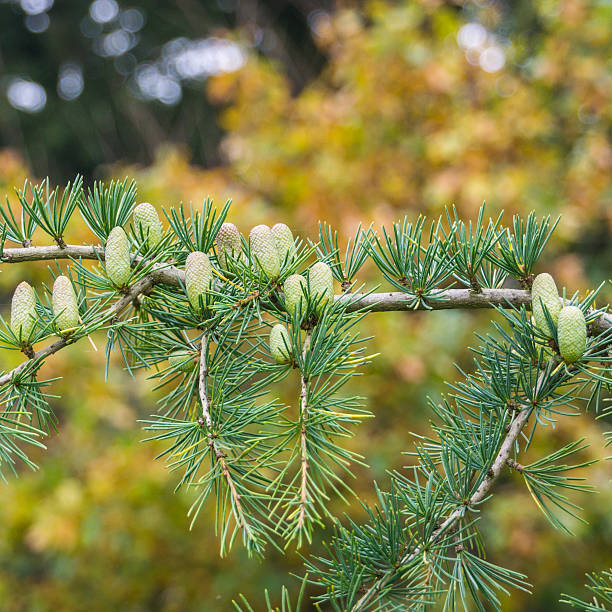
[212, 443]
[142, 286]
[303, 438]
[376, 302]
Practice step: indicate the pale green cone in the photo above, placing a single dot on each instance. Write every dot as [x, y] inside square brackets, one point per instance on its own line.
[544, 292]
[117, 254]
[280, 343]
[263, 250]
[147, 224]
[295, 287]
[181, 359]
[285, 244]
[23, 311]
[571, 333]
[65, 307]
[198, 277]
[228, 243]
[321, 284]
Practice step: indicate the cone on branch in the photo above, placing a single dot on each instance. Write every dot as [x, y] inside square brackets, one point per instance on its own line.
[228, 243]
[285, 244]
[23, 311]
[321, 285]
[264, 252]
[280, 344]
[65, 307]
[571, 333]
[147, 224]
[182, 360]
[198, 278]
[544, 293]
[117, 255]
[295, 288]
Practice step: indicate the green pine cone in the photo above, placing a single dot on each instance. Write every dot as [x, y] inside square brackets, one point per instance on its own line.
[228, 243]
[181, 359]
[263, 249]
[147, 224]
[571, 333]
[23, 311]
[117, 255]
[280, 343]
[295, 290]
[65, 307]
[198, 277]
[285, 245]
[544, 292]
[321, 284]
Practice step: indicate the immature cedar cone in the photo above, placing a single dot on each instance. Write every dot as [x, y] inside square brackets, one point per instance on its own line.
[228, 243]
[321, 284]
[23, 311]
[571, 333]
[263, 249]
[285, 244]
[295, 290]
[280, 343]
[65, 307]
[544, 292]
[181, 359]
[117, 254]
[147, 224]
[198, 277]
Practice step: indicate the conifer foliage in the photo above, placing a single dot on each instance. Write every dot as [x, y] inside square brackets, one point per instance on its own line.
[217, 318]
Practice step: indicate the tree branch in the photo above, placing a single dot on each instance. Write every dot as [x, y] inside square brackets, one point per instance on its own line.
[376, 302]
[202, 383]
[501, 459]
[219, 454]
[165, 274]
[304, 451]
[142, 286]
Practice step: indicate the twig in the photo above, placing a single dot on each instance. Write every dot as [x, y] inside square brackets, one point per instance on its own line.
[162, 273]
[304, 452]
[141, 286]
[479, 495]
[202, 382]
[212, 443]
[375, 302]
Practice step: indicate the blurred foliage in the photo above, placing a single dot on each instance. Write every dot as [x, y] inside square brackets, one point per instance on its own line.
[401, 120]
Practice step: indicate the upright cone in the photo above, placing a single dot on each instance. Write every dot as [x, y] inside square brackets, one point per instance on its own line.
[198, 277]
[117, 254]
[294, 289]
[571, 333]
[280, 343]
[321, 282]
[228, 243]
[23, 311]
[285, 245]
[263, 249]
[65, 307]
[182, 360]
[544, 293]
[147, 224]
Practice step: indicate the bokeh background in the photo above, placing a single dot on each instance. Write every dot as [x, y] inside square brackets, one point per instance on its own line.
[297, 110]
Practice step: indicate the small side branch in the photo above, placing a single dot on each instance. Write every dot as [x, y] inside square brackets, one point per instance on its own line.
[501, 459]
[303, 440]
[202, 383]
[142, 286]
[212, 441]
